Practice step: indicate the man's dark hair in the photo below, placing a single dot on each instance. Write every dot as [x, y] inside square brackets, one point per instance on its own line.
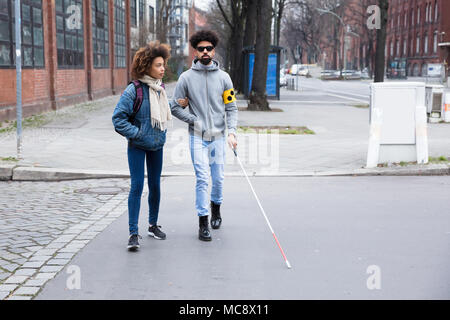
[204, 35]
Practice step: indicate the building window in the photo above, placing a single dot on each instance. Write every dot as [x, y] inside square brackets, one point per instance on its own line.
[430, 12]
[426, 13]
[418, 15]
[418, 44]
[405, 43]
[32, 34]
[100, 33]
[435, 42]
[119, 34]
[69, 33]
[425, 44]
[151, 19]
[436, 11]
[141, 13]
[133, 13]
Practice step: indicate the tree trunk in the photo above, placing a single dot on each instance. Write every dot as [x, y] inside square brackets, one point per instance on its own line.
[381, 42]
[281, 4]
[258, 96]
[250, 24]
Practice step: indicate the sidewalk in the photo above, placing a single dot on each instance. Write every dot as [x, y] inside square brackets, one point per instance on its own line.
[80, 142]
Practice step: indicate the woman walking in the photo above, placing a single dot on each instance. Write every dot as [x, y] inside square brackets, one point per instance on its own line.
[146, 134]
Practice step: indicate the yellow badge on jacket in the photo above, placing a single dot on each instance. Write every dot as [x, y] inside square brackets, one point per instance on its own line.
[229, 96]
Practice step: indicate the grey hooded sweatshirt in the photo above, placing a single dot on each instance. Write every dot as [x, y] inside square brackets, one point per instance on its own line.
[205, 86]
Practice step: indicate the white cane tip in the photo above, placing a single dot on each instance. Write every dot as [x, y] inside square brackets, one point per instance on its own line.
[288, 264]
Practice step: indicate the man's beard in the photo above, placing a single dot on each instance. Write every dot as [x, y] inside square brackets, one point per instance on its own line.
[205, 60]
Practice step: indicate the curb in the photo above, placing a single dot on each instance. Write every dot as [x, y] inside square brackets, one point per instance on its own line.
[6, 171]
[18, 173]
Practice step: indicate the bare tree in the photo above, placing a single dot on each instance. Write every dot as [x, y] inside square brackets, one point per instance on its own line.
[218, 25]
[235, 19]
[250, 24]
[280, 6]
[258, 97]
[301, 27]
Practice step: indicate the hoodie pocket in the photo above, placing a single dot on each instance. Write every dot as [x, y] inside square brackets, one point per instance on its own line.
[218, 123]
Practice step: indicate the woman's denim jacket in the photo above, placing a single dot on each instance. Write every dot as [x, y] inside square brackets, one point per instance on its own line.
[140, 133]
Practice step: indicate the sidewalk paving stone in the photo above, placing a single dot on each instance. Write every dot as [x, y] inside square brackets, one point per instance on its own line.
[27, 291]
[56, 224]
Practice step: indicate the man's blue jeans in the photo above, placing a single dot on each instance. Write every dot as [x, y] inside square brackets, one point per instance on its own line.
[137, 158]
[207, 156]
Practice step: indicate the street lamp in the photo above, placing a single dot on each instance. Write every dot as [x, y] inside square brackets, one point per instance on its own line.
[347, 30]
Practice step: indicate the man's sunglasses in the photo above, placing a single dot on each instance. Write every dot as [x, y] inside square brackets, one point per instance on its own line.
[208, 48]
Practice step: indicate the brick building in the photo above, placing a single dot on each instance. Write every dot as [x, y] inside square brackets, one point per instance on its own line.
[72, 51]
[415, 30]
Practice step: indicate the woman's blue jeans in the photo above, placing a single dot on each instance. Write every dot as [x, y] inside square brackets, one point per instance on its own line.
[137, 158]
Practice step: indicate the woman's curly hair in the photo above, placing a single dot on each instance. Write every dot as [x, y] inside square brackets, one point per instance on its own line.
[204, 35]
[144, 57]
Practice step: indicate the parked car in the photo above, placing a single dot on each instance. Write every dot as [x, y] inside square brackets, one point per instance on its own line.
[365, 74]
[283, 79]
[351, 74]
[330, 74]
[294, 69]
[299, 69]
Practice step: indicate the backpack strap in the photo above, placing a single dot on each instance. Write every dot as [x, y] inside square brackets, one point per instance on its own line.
[137, 100]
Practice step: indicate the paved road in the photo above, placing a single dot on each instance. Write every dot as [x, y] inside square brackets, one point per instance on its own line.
[332, 230]
[314, 91]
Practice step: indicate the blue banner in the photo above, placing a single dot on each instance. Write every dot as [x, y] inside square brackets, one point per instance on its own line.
[271, 83]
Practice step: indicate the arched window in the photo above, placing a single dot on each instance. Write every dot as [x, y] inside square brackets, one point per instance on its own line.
[436, 11]
[425, 44]
[417, 43]
[435, 42]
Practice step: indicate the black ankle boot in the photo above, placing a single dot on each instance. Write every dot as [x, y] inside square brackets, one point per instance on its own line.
[203, 232]
[216, 220]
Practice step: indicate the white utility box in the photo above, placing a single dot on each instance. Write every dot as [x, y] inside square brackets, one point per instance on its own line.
[398, 123]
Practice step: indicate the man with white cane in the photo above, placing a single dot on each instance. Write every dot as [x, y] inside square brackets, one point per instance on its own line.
[210, 96]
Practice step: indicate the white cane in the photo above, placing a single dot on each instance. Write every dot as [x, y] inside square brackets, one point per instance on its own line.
[262, 210]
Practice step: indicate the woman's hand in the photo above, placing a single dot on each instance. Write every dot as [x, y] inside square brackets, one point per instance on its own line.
[183, 102]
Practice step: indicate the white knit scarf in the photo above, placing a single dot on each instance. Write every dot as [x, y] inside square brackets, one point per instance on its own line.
[159, 105]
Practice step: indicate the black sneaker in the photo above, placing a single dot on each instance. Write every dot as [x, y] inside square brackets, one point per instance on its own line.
[203, 232]
[156, 233]
[216, 219]
[133, 242]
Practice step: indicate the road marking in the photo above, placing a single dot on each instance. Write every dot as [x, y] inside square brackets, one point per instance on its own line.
[348, 98]
[348, 93]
